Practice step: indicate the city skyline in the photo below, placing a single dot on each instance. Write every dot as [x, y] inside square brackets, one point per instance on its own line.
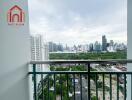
[88, 43]
[109, 46]
[76, 21]
[59, 43]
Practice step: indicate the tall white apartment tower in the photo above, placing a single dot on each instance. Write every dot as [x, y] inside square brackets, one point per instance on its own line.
[45, 53]
[36, 48]
[39, 52]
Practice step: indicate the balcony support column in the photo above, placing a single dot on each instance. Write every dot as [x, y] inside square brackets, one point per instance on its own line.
[129, 50]
[14, 50]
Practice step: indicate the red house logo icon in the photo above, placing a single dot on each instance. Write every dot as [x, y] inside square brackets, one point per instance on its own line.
[15, 16]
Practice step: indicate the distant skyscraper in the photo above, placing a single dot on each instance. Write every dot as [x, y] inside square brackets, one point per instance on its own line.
[104, 43]
[60, 47]
[67, 48]
[111, 43]
[110, 47]
[90, 47]
[50, 46]
[97, 46]
[55, 47]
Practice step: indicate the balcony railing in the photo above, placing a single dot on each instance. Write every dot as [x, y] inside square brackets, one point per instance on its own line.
[93, 80]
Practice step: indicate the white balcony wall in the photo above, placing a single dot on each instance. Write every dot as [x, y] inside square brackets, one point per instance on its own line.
[14, 53]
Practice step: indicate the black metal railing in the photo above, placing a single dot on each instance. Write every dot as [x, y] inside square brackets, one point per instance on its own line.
[93, 80]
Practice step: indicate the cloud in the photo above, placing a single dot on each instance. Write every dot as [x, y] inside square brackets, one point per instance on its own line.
[79, 21]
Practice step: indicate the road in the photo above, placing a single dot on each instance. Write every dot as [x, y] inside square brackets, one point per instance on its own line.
[78, 90]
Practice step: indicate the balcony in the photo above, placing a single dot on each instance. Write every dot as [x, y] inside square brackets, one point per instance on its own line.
[96, 81]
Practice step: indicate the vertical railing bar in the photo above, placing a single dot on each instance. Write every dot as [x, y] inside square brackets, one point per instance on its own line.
[61, 87]
[124, 86]
[42, 86]
[34, 78]
[117, 86]
[131, 86]
[81, 85]
[89, 81]
[74, 85]
[96, 88]
[67, 87]
[110, 87]
[103, 88]
[54, 87]
[87, 86]
[48, 87]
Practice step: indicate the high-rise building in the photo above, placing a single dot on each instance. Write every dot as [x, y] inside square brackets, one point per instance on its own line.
[36, 48]
[111, 43]
[104, 43]
[97, 46]
[53, 47]
[110, 47]
[39, 52]
[67, 48]
[50, 46]
[60, 47]
[91, 47]
[45, 51]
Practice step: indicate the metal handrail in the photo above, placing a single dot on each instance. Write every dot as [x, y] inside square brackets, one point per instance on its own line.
[112, 61]
[80, 72]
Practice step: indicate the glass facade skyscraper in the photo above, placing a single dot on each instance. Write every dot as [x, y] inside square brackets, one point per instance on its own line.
[104, 43]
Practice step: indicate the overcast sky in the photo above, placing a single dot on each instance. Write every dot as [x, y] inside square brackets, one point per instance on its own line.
[79, 21]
